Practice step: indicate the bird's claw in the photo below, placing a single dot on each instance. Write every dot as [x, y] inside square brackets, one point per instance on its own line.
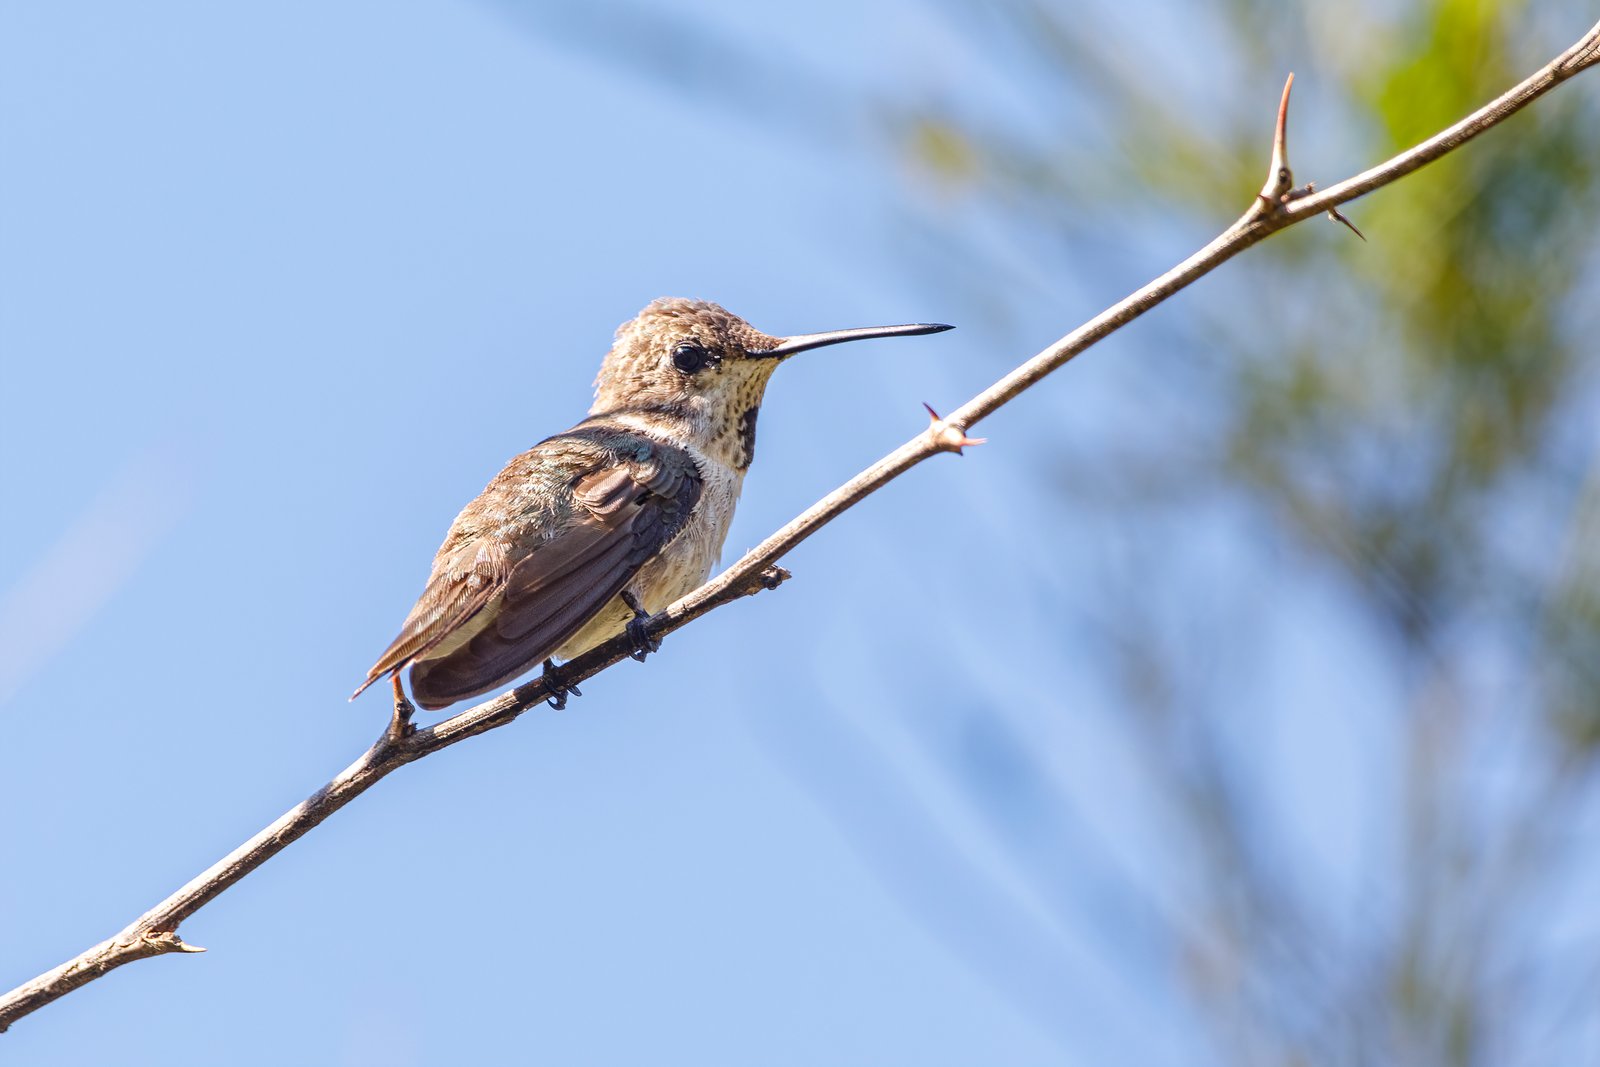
[558, 692]
[643, 643]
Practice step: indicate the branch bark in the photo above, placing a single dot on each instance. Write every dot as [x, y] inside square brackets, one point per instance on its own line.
[1277, 207]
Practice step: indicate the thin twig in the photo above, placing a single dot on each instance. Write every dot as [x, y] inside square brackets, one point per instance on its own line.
[1278, 206]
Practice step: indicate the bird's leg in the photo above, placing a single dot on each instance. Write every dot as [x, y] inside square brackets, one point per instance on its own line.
[400, 724]
[643, 643]
[558, 692]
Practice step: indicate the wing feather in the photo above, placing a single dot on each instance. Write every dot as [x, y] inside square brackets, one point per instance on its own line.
[463, 581]
[493, 616]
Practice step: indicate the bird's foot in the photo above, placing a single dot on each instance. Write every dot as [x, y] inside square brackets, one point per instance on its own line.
[558, 692]
[400, 724]
[643, 643]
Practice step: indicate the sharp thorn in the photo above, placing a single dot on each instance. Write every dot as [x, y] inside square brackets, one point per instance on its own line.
[1280, 177]
[1280, 136]
[1333, 213]
[947, 435]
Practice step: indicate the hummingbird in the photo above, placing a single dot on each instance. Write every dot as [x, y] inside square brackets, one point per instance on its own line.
[593, 530]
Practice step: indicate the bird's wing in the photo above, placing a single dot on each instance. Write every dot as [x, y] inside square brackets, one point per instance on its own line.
[622, 513]
[464, 579]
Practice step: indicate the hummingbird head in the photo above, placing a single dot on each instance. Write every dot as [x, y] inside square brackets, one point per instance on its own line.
[691, 368]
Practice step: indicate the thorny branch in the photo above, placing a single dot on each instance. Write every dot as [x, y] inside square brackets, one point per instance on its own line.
[1279, 205]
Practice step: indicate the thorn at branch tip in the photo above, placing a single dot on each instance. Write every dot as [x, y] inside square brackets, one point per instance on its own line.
[949, 436]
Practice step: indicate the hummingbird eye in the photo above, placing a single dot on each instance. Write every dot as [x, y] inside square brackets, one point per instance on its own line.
[689, 357]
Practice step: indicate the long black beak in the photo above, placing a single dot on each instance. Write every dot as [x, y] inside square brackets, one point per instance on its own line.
[790, 345]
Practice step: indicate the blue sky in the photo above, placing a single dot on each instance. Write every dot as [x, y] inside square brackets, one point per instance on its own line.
[281, 286]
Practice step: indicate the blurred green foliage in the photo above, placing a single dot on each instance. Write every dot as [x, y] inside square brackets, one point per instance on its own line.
[1417, 413]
